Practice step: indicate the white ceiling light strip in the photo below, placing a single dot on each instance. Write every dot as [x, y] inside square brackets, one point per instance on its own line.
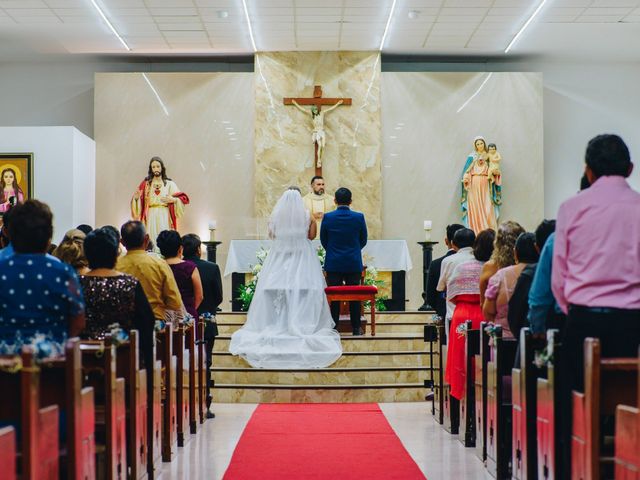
[155, 92]
[524, 27]
[246, 15]
[475, 94]
[386, 28]
[111, 27]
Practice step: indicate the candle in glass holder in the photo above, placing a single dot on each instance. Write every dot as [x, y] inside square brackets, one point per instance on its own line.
[427, 230]
[212, 230]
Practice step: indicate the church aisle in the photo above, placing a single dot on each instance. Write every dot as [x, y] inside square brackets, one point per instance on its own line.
[439, 455]
[347, 441]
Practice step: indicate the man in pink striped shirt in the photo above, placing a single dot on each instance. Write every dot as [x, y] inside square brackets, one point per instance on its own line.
[596, 267]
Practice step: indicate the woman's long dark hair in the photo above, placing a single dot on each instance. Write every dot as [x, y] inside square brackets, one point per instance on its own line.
[16, 187]
[163, 171]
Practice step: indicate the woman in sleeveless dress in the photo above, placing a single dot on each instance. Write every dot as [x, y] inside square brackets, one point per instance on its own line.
[289, 323]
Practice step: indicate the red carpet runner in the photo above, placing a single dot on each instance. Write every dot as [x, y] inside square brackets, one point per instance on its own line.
[320, 441]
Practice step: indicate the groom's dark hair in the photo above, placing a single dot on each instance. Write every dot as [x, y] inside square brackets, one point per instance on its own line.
[343, 196]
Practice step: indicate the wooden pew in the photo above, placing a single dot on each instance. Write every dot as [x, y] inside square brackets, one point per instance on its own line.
[547, 403]
[61, 384]
[498, 421]
[182, 384]
[607, 383]
[480, 383]
[154, 415]
[201, 371]
[451, 406]
[8, 453]
[627, 439]
[128, 368]
[38, 450]
[99, 369]
[468, 402]
[190, 346]
[164, 353]
[523, 394]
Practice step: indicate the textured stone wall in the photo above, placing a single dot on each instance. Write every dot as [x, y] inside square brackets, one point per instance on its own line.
[284, 152]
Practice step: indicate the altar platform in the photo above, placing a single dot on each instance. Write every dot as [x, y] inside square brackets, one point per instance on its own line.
[390, 367]
[390, 258]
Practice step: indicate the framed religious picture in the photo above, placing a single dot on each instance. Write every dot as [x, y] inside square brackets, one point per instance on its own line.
[16, 179]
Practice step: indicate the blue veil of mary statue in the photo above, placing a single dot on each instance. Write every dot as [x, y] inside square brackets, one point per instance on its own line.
[481, 194]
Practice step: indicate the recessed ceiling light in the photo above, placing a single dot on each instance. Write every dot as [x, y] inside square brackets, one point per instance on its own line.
[386, 28]
[223, 14]
[110, 25]
[413, 14]
[524, 27]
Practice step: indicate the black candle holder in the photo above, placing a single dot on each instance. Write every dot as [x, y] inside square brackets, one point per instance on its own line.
[212, 250]
[427, 256]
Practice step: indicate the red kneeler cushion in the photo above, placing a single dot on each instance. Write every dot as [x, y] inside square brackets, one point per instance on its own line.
[351, 289]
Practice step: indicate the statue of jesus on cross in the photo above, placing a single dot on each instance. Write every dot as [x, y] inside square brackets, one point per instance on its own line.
[318, 136]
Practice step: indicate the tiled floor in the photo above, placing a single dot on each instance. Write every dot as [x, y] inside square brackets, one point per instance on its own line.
[440, 455]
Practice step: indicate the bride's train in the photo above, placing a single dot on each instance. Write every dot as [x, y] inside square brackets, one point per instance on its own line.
[289, 322]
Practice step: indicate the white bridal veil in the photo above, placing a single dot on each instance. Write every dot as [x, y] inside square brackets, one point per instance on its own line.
[289, 323]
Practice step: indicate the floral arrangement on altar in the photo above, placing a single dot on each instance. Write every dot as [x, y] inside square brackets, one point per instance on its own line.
[246, 292]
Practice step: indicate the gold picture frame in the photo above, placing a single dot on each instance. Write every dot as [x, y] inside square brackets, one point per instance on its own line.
[21, 164]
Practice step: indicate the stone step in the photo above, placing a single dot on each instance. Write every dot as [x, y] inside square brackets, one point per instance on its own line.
[415, 327]
[322, 376]
[381, 317]
[370, 359]
[364, 343]
[261, 393]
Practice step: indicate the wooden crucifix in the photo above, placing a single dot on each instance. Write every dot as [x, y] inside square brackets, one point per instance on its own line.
[317, 117]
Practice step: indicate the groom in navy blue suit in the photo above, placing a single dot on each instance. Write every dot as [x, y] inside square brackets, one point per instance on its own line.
[343, 234]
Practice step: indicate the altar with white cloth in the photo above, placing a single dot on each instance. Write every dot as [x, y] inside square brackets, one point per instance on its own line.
[389, 257]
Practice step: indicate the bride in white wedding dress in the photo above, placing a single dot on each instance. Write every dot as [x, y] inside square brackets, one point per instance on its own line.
[289, 323]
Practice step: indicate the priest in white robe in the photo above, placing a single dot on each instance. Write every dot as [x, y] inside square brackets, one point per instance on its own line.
[317, 202]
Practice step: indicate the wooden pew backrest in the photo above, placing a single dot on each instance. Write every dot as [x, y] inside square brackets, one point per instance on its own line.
[61, 384]
[8, 453]
[480, 380]
[547, 428]
[607, 383]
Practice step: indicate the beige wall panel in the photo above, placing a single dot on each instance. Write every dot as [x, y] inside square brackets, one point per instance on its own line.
[427, 138]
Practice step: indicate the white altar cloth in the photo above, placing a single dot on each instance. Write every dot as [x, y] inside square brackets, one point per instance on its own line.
[384, 255]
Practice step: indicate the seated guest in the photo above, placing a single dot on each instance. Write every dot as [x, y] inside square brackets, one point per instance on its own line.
[71, 251]
[112, 297]
[116, 233]
[463, 290]
[502, 255]
[209, 274]
[596, 268]
[544, 312]
[185, 272]
[519, 302]
[39, 295]
[502, 284]
[434, 298]
[6, 249]
[449, 264]
[154, 274]
[84, 228]
[212, 296]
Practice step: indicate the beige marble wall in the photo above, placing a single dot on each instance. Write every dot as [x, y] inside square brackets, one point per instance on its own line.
[402, 140]
[427, 138]
[205, 138]
[283, 148]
